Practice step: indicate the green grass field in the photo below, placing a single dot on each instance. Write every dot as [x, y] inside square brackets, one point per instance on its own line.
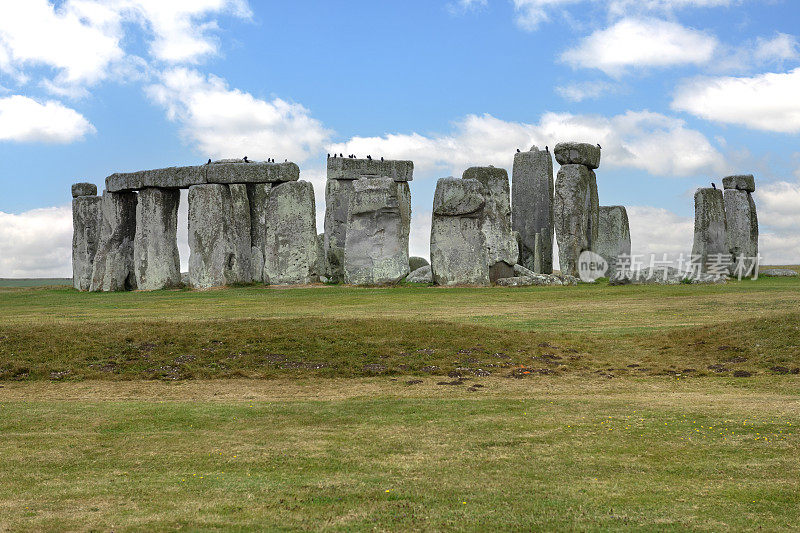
[409, 408]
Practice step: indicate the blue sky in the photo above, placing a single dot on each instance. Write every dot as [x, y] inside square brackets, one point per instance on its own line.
[678, 92]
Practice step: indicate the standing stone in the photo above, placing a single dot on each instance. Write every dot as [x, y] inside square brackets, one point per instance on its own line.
[501, 243]
[532, 208]
[219, 235]
[458, 245]
[155, 249]
[113, 263]
[613, 236]
[337, 202]
[290, 238]
[576, 214]
[710, 228]
[258, 197]
[376, 244]
[742, 229]
[86, 225]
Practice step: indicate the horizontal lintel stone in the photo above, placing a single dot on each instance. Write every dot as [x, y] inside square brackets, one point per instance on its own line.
[345, 168]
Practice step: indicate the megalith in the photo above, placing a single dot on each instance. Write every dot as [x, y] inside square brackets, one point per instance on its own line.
[613, 236]
[86, 225]
[574, 153]
[290, 235]
[342, 173]
[113, 263]
[376, 241]
[458, 245]
[741, 221]
[219, 235]
[532, 208]
[711, 250]
[155, 249]
[258, 197]
[501, 243]
[576, 211]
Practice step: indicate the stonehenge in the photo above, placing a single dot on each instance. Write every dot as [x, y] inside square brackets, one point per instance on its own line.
[459, 254]
[742, 221]
[576, 205]
[613, 236]
[532, 208]
[255, 222]
[86, 224]
[342, 175]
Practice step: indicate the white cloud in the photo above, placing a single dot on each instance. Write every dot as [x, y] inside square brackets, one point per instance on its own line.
[420, 235]
[659, 231]
[225, 122]
[639, 43]
[780, 47]
[641, 140]
[779, 204]
[588, 90]
[531, 13]
[36, 243]
[23, 119]
[765, 102]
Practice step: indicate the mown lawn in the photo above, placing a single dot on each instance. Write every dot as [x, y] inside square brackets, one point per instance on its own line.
[410, 408]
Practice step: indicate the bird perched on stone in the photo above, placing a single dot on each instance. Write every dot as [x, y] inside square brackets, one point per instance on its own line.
[714, 185]
[517, 150]
[285, 160]
[381, 158]
[369, 157]
[245, 159]
[329, 155]
[599, 146]
[546, 149]
[209, 161]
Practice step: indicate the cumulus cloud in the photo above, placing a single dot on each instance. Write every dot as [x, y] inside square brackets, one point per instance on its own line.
[765, 102]
[640, 140]
[657, 231]
[36, 243]
[24, 119]
[225, 122]
[638, 43]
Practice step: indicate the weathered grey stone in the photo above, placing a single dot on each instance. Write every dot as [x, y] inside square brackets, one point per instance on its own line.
[572, 153]
[376, 245]
[613, 236]
[84, 189]
[113, 262]
[452, 198]
[521, 271]
[742, 229]
[87, 222]
[352, 169]
[423, 274]
[319, 269]
[156, 261]
[532, 207]
[576, 213]
[778, 273]
[415, 262]
[458, 245]
[501, 243]
[251, 172]
[219, 235]
[337, 203]
[536, 279]
[258, 198]
[744, 182]
[290, 239]
[515, 281]
[164, 178]
[710, 231]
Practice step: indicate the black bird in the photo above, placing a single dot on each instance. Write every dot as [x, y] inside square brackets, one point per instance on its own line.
[546, 149]
[369, 157]
[714, 185]
[329, 155]
[209, 161]
[599, 146]
[285, 160]
[517, 150]
[245, 159]
[381, 159]
[341, 155]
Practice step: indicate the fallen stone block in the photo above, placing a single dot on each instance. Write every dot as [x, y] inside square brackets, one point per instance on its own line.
[112, 269]
[415, 262]
[376, 246]
[501, 243]
[576, 214]
[290, 239]
[532, 207]
[87, 222]
[778, 273]
[458, 245]
[423, 274]
[744, 182]
[156, 261]
[572, 153]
